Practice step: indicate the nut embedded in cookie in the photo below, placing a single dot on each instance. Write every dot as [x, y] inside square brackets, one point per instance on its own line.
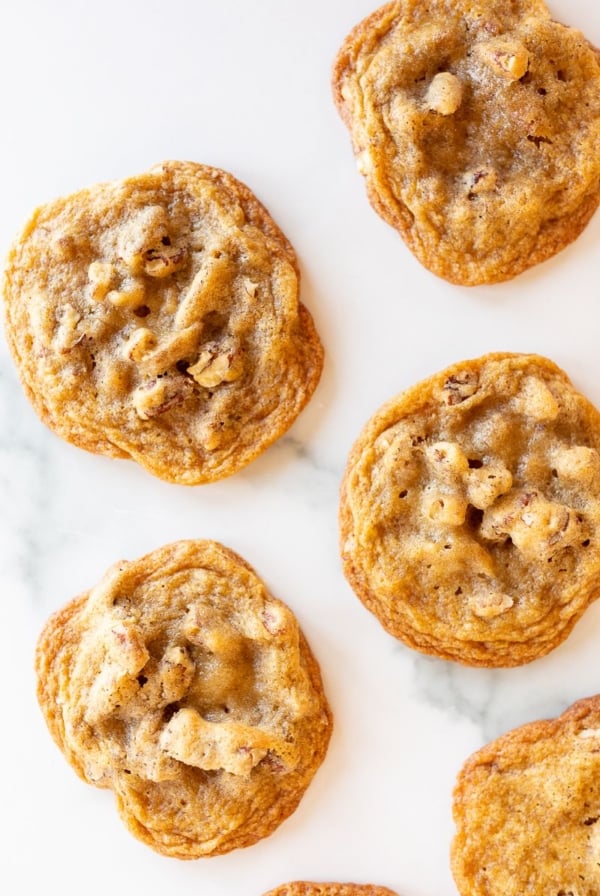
[171, 331]
[182, 685]
[476, 125]
[470, 511]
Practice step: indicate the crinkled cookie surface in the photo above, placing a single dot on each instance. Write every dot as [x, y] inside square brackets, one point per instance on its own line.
[476, 124]
[470, 511]
[308, 888]
[182, 685]
[527, 810]
[157, 318]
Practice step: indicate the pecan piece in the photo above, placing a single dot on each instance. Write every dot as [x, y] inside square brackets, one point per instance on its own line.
[161, 395]
[231, 746]
[101, 276]
[577, 464]
[139, 344]
[131, 297]
[459, 387]
[213, 368]
[444, 94]
[537, 527]
[164, 260]
[490, 604]
[507, 58]
[535, 399]
[68, 334]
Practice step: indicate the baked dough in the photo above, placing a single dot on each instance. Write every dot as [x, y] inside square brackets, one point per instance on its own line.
[476, 124]
[306, 888]
[157, 318]
[470, 511]
[527, 810]
[179, 683]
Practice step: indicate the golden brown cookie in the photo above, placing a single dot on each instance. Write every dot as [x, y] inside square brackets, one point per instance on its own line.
[476, 125]
[527, 810]
[306, 888]
[179, 683]
[157, 318]
[470, 511]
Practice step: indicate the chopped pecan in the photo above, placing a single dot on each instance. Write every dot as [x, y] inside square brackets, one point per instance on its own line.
[175, 673]
[161, 394]
[537, 527]
[460, 386]
[68, 334]
[231, 746]
[535, 399]
[444, 94]
[577, 464]
[274, 619]
[101, 276]
[447, 460]
[125, 646]
[131, 297]
[215, 366]
[139, 344]
[508, 58]
[450, 510]
[490, 604]
[164, 260]
[487, 483]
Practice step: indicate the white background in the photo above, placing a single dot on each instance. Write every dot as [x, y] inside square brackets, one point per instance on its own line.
[92, 92]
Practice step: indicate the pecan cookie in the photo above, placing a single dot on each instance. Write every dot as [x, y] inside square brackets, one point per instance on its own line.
[179, 683]
[476, 125]
[470, 511]
[157, 318]
[527, 810]
[306, 888]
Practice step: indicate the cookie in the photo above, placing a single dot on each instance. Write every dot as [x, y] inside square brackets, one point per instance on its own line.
[179, 683]
[476, 125]
[470, 511]
[157, 318]
[306, 888]
[527, 810]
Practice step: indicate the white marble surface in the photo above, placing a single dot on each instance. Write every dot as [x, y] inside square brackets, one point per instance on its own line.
[93, 92]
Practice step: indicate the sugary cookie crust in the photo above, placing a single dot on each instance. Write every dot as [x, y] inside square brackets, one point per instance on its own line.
[308, 888]
[527, 810]
[477, 128]
[158, 318]
[470, 511]
[182, 685]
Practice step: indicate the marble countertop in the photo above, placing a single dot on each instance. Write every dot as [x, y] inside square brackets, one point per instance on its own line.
[95, 92]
